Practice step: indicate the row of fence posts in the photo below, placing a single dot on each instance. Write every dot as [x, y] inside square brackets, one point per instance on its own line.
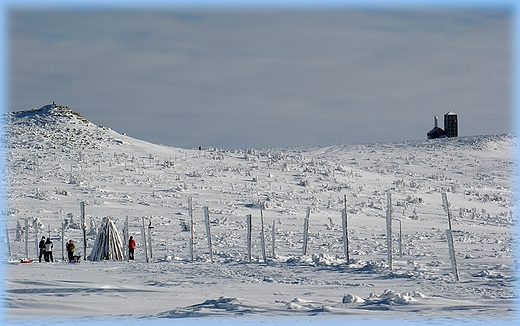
[147, 242]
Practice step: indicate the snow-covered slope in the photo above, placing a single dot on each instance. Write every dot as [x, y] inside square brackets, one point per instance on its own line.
[57, 159]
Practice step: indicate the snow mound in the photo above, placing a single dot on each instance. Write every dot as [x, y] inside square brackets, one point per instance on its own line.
[389, 297]
[211, 307]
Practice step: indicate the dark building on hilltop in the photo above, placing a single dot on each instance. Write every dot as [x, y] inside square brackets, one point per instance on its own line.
[450, 124]
[450, 127]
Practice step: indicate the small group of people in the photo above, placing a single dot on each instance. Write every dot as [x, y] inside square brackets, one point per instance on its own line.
[46, 247]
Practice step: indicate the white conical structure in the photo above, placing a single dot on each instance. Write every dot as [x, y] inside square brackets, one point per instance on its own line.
[108, 244]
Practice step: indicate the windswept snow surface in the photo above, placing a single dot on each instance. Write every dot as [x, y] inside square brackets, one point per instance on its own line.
[56, 159]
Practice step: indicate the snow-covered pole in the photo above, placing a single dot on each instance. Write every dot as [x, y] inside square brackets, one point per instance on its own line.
[262, 233]
[26, 238]
[345, 229]
[192, 234]
[400, 239]
[389, 230]
[273, 238]
[7, 239]
[150, 227]
[208, 232]
[446, 206]
[36, 242]
[449, 238]
[62, 241]
[143, 232]
[126, 237]
[84, 228]
[249, 226]
[306, 230]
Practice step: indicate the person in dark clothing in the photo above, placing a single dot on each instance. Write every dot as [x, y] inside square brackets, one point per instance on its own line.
[70, 250]
[41, 245]
[49, 247]
[131, 247]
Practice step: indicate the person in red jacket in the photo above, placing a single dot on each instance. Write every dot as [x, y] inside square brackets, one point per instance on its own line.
[131, 247]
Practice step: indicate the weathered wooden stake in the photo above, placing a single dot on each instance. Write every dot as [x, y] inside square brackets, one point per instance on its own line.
[262, 233]
[62, 241]
[449, 237]
[273, 239]
[306, 230]
[84, 227]
[389, 210]
[344, 223]
[8, 242]
[36, 242]
[150, 227]
[249, 235]
[208, 232]
[126, 237]
[192, 234]
[26, 238]
[400, 240]
[143, 231]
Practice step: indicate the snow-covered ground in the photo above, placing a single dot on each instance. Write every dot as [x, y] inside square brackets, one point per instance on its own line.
[56, 159]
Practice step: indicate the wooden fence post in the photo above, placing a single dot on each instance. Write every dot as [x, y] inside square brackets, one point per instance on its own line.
[345, 230]
[262, 233]
[150, 227]
[306, 230]
[7, 238]
[62, 241]
[192, 232]
[249, 235]
[208, 232]
[449, 238]
[84, 227]
[273, 238]
[389, 210]
[143, 231]
[26, 238]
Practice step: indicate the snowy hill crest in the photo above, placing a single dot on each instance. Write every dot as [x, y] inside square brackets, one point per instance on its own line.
[54, 126]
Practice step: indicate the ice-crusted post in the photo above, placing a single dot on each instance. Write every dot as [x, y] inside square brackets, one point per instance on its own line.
[8, 242]
[262, 233]
[249, 227]
[400, 240]
[126, 238]
[26, 238]
[62, 241]
[143, 232]
[36, 242]
[190, 211]
[345, 229]
[150, 227]
[389, 229]
[449, 238]
[208, 232]
[84, 228]
[306, 230]
[273, 238]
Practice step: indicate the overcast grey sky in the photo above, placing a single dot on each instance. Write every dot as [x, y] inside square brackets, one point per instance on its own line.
[266, 78]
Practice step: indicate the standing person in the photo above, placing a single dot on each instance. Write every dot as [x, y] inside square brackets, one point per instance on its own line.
[131, 247]
[70, 250]
[41, 245]
[49, 247]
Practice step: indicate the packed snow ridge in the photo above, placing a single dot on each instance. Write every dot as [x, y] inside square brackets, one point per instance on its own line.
[57, 159]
